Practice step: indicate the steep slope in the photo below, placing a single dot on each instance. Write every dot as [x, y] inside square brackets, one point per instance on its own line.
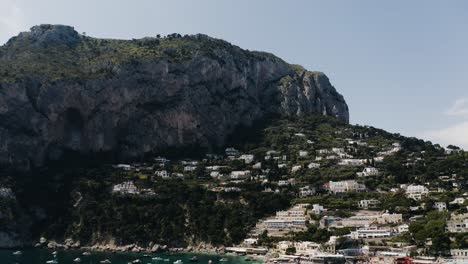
[60, 91]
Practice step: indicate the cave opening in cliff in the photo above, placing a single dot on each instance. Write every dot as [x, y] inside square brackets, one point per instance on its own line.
[73, 128]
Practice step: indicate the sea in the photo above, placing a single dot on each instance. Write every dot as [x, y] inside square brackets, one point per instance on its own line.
[43, 256]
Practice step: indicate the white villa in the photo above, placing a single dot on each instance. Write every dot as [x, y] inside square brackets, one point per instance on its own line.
[248, 158]
[459, 201]
[351, 162]
[371, 233]
[313, 165]
[345, 186]
[368, 171]
[458, 223]
[231, 152]
[440, 206]
[236, 175]
[317, 209]
[190, 168]
[306, 191]
[296, 168]
[123, 166]
[367, 220]
[416, 192]
[127, 187]
[292, 219]
[365, 204]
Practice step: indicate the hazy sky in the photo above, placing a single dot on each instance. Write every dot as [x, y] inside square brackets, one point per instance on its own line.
[401, 65]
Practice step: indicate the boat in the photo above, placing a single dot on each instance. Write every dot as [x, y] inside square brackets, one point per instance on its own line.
[86, 253]
[178, 261]
[18, 253]
[223, 260]
[156, 258]
[147, 256]
[194, 259]
[77, 260]
[52, 261]
[106, 261]
[54, 253]
[136, 261]
[166, 260]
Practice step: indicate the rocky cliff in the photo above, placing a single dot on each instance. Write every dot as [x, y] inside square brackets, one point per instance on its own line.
[60, 90]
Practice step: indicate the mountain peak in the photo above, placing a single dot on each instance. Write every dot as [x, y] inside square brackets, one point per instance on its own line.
[47, 33]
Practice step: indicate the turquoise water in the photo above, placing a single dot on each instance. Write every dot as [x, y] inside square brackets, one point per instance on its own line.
[41, 256]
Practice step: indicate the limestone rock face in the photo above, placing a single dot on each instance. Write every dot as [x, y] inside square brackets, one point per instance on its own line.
[91, 95]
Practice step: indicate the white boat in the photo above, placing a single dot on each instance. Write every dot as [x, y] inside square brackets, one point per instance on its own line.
[86, 253]
[52, 261]
[178, 261]
[156, 258]
[106, 261]
[54, 253]
[77, 260]
[136, 261]
[223, 260]
[17, 253]
[166, 260]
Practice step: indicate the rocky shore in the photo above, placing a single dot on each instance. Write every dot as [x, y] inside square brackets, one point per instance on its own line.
[111, 246]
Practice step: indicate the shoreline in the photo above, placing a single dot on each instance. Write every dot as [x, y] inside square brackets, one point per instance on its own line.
[200, 249]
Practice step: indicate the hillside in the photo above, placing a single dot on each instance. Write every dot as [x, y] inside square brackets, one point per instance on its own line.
[187, 201]
[63, 92]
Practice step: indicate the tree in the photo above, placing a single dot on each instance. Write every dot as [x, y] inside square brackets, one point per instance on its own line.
[290, 251]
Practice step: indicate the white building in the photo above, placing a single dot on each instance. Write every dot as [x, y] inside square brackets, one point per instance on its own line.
[127, 187]
[190, 168]
[458, 223]
[345, 186]
[459, 253]
[459, 201]
[248, 158]
[403, 228]
[215, 174]
[416, 192]
[324, 151]
[189, 162]
[313, 165]
[306, 248]
[292, 219]
[257, 166]
[306, 191]
[367, 220]
[236, 175]
[296, 168]
[123, 166]
[250, 241]
[303, 153]
[287, 182]
[371, 233]
[351, 162]
[368, 171]
[317, 209]
[365, 204]
[162, 173]
[231, 152]
[232, 189]
[440, 206]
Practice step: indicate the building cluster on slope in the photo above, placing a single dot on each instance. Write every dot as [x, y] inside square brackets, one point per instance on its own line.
[283, 172]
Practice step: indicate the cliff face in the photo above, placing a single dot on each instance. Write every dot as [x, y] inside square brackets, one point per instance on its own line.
[63, 91]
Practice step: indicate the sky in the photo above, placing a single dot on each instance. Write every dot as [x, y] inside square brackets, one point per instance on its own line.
[401, 65]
